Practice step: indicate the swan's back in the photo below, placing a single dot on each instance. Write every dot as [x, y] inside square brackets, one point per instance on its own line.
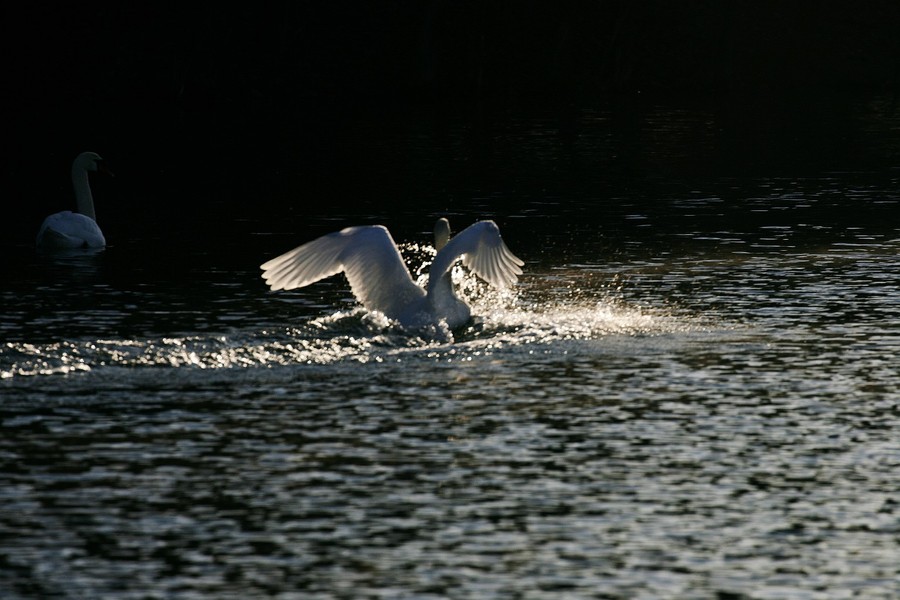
[69, 230]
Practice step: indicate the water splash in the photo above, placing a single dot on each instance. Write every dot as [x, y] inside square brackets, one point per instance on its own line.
[542, 309]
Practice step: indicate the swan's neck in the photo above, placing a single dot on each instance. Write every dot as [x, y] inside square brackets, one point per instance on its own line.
[84, 202]
[442, 287]
[445, 303]
[441, 294]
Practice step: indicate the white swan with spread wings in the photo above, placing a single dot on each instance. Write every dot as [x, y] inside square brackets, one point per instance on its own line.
[379, 278]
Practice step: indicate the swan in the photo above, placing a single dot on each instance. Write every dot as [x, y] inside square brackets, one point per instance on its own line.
[67, 229]
[380, 280]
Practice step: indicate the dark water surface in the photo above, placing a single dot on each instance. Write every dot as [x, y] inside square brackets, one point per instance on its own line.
[693, 392]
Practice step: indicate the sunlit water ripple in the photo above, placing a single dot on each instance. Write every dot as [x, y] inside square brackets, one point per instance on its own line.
[718, 420]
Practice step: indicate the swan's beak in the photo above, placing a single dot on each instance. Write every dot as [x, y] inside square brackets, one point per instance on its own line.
[441, 233]
[102, 168]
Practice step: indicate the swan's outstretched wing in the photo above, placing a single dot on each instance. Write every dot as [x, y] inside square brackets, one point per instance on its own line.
[368, 257]
[483, 251]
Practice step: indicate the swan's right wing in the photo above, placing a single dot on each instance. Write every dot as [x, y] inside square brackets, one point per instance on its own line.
[368, 257]
[483, 251]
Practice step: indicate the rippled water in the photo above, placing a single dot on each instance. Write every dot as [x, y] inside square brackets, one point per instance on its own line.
[694, 398]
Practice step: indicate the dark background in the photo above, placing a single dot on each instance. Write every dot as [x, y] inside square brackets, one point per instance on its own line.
[199, 105]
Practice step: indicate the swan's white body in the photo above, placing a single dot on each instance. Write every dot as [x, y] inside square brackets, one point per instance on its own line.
[380, 280]
[67, 229]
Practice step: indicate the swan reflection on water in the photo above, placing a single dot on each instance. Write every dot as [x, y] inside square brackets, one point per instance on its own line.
[70, 261]
[380, 280]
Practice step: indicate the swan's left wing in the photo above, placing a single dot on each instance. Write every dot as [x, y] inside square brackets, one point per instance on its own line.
[368, 257]
[483, 251]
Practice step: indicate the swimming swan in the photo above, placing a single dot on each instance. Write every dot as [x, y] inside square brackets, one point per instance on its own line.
[67, 229]
[380, 280]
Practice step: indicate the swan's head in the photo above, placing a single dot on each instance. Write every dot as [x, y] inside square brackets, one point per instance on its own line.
[441, 233]
[91, 161]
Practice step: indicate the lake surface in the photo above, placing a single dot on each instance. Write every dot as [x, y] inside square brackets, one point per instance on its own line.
[692, 392]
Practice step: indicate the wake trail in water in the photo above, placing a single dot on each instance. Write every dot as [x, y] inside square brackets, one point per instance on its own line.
[542, 310]
[351, 335]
